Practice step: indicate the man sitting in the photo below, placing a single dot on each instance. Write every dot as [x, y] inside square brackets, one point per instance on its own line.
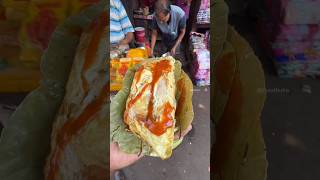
[121, 29]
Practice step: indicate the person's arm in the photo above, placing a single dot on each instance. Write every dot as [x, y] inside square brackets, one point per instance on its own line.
[126, 25]
[178, 41]
[182, 27]
[154, 35]
[153, 40]
[128, 39]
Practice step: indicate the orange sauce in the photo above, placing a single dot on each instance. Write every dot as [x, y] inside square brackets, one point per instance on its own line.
[138, 96]
[151, 122]
[133, 101]
[92, 49]
[73, 126]
[138, 74]
[160, 127]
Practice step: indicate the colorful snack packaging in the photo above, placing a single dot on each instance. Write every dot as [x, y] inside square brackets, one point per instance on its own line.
[37, 28]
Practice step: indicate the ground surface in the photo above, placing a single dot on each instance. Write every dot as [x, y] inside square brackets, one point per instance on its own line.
[290, 119]
[190, 161]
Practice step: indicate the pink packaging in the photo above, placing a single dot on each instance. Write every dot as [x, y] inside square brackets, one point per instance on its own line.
[299, 32]
[205, 4]
[274, 31]
[201, 64]
[295, 11]
[301, 12]
[284, 47]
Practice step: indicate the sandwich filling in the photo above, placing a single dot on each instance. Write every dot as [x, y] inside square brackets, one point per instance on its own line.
[151, 105]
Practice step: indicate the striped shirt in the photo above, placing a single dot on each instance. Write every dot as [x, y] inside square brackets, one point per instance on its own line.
[120, 24]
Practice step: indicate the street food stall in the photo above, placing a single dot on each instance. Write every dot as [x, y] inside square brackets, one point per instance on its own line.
[121, 60]
[194, 47]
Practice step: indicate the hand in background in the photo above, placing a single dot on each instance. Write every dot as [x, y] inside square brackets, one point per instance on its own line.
[173, 51]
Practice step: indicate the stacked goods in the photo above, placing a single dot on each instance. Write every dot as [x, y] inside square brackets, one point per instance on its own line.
[207, 39]
[121, 61]
[203, 16]
[201, 59]
[138, 53]
[292, 37]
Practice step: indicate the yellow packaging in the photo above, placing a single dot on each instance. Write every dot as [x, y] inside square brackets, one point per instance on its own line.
[37, 28]
[122, 70]
[16, 10]
[113, 69]
[137, 53]
[118, 69]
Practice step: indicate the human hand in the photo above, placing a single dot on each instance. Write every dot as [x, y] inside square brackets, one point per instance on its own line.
[123, 43]
[173, 50]
[119, 159]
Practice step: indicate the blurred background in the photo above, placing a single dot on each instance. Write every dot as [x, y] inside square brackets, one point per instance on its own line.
[25, 30]
[285, 35]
